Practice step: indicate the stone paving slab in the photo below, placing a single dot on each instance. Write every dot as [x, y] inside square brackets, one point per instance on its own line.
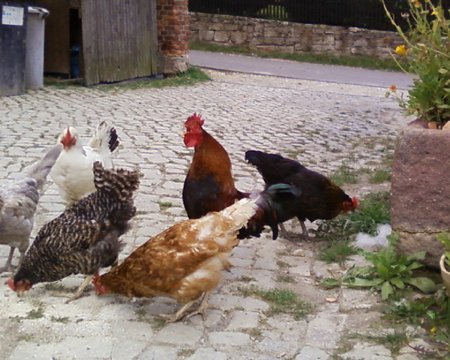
[321, 124]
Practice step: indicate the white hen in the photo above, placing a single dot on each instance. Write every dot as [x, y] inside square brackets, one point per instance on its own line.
[72, 172]
[18, 203]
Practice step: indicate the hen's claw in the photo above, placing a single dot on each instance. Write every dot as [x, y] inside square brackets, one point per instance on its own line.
[180, 314]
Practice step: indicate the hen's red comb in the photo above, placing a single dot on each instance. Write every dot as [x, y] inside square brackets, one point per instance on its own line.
[10, 283]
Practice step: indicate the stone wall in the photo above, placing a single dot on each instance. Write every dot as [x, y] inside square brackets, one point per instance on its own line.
[283, 36]
[173, 34]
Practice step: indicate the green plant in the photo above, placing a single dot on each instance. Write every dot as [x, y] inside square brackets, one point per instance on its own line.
[426, 53]
[444, 238]
[391, 271]
[431, 312]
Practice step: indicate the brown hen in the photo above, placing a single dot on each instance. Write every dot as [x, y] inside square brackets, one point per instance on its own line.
[184, 262]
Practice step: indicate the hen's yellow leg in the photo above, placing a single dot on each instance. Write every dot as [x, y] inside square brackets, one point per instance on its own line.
[79, 291]
[202, 307]
[178, 315]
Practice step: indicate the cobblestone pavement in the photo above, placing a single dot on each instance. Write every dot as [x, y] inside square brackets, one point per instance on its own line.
[322, 125]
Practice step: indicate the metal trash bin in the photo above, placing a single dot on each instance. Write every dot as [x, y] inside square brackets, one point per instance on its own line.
[34, 62]
[13, 24]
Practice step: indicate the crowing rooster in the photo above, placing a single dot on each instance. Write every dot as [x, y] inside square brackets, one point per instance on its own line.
[185, 261]
[72, 172]
[85, 237]
[209, 184]
[18, 202]
[320, 197]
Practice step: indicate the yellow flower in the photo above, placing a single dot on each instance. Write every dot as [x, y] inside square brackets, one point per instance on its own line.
[435, 13]
[401, 50]
[433, 330]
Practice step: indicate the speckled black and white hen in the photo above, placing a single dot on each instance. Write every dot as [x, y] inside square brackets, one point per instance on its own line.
[18, 203]
[85, 237]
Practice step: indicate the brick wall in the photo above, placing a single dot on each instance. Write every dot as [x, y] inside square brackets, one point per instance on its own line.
[282, 36]
[173, 34]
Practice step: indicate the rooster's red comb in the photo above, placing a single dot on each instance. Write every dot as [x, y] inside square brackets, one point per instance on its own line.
[196, 118]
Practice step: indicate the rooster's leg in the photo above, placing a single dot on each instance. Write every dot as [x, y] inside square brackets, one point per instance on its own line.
[304, 234]
[79, 291]
[8, 266]
[178, 315]
[284, 232]
[305, 231]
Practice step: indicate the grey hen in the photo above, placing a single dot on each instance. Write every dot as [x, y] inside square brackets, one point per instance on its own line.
[18, 203]
[85, 237]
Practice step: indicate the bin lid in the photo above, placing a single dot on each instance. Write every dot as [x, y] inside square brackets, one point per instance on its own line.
[42, 12]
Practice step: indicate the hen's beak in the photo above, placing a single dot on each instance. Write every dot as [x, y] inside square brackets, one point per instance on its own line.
[20, 293]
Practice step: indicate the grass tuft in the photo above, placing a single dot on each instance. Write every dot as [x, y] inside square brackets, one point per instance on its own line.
[344, 175]
[164, 205]
[379, 176]
[286, 279]
[281, 301]
[192, 76]
[337, 251]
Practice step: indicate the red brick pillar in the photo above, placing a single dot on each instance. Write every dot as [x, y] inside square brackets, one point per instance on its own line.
[173, 34]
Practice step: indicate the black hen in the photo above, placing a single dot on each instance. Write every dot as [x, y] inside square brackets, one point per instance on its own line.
[320, 197]
[85, 237]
